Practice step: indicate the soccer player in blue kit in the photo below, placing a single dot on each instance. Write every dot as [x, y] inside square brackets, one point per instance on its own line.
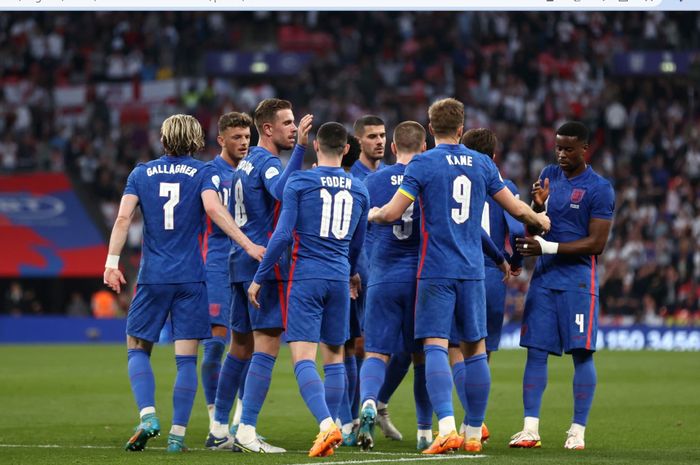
[561, 307]
[391, 291]
[258, 184]
[370, 133]
[324, 213]
[451, 183]
[497, 223]
[173, 192]
[234, 140]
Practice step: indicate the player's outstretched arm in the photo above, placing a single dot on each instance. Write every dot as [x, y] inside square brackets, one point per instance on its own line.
[114, 278]
[515, 230]
[220, 215]
[295, 161]
[521, 211]
[392, 211]
[593, 244]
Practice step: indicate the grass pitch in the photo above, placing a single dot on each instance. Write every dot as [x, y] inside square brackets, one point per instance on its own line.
[73, 405]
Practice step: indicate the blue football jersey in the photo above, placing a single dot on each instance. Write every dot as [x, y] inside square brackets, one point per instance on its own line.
[324, 212]
[394, 255]
[169, 191]
[497, 222]
[255, 208]
[450, 183]
[217, 243]
[360, 171]
[570, 206]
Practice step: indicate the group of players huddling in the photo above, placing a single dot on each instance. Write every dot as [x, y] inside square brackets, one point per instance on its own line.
[384, 266]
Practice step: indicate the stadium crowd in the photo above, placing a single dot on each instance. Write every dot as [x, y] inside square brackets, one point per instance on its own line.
[520, 75]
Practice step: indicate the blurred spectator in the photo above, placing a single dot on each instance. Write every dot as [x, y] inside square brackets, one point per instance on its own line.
[77, 307]
[520, 74]
[14, 303]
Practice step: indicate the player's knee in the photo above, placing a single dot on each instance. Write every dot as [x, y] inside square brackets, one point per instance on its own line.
[133, 342]
[219, 331]
[470, 349]
[382, 357]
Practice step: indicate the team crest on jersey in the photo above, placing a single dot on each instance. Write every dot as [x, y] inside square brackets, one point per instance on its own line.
[577, 195]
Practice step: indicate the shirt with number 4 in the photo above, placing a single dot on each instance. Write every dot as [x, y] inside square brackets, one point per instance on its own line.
[450, 183]
[169, 191]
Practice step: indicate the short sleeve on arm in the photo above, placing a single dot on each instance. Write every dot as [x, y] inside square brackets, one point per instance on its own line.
[270, 173]
[210, 178]
[494, 182]
[603, 202]
[413, 178]
[131, 182]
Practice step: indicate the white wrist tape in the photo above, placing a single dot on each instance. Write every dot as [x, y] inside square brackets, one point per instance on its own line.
[548, 248]
[112, 261]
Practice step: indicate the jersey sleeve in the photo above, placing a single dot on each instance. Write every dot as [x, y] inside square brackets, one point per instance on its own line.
[515, 229]
[131, 182]
[603, 202]
[414, 178]
[270, 173]
[276, 182]
[358, 239]
[283, 234]
[494, 182]
[210, 178]
[490, 248]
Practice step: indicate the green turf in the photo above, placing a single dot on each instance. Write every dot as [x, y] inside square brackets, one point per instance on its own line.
[646, 410]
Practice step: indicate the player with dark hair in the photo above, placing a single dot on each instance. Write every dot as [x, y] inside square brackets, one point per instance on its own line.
[370, 133]
[324, 213]
[173, 192]
[561, 307]
[451, 183]
[391, 291]
[353, 154]
[258, 184]
[234, 140]
[497, 223]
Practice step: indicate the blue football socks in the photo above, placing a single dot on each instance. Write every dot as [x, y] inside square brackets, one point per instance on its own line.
[311, 389]
[396, 371]
[185, 388]
[143, 383]
[458, 370]
[585, 380]
[534, 381]
[477, 378]
[211, 366]
[257, 385]
[244, 375]
[229, 381]
[424, 409]
[372, 378]
[334, 385]
[439, 380]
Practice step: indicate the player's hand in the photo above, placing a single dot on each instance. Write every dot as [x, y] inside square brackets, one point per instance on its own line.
[256, 251]
[528, 247]
[114, 279]
[304, 129]
[516, 271]
[355, 286]
[545, 224]
[540, 192]
[505, 269]
[372, 215]
[253, 292]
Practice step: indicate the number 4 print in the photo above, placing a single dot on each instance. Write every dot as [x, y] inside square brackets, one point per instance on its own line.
[579, 322]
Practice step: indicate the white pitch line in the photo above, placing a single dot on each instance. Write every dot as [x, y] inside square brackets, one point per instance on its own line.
[404, 459]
